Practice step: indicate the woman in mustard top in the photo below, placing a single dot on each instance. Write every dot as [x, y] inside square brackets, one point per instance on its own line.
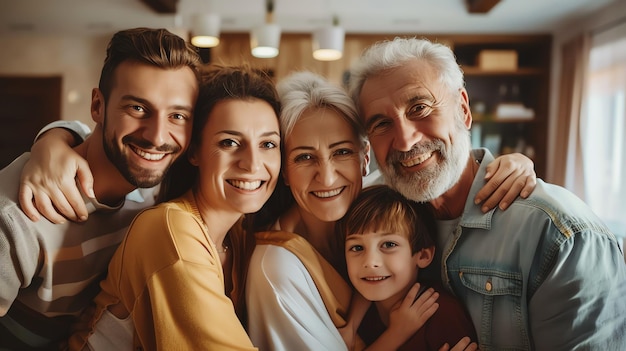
[169, 282]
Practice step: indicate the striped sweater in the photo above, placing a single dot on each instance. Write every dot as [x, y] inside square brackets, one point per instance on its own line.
[50, 272]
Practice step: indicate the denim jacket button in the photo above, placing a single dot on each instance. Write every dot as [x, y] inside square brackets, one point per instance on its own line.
[488, 286]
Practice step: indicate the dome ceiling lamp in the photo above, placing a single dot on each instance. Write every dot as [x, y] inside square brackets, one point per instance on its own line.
[328, 42]
[205, 30]
[265, 39]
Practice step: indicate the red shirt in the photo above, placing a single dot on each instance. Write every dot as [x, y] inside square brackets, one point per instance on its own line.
[449, 324]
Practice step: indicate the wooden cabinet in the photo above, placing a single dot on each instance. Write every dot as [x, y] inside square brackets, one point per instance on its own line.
[509, 106]
[526, 84]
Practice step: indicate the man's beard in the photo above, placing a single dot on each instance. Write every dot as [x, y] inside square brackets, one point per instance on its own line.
[135, 175]
[430, 183]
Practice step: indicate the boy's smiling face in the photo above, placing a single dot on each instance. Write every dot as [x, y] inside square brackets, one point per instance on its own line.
[380, 265]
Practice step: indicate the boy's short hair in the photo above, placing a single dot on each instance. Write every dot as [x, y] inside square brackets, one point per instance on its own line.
[380, 208]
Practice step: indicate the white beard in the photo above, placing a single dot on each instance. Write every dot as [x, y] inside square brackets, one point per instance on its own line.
[432, 182]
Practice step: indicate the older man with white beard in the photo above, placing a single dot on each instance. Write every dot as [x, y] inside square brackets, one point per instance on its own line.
[544, 275]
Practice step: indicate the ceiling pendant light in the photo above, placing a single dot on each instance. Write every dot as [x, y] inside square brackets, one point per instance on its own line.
[265, 39]
[328, 42]
[205, 30]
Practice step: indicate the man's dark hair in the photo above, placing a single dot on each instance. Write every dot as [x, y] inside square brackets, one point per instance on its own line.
[156, 47]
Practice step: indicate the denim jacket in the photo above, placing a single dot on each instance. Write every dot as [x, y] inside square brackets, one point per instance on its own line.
[546, 274]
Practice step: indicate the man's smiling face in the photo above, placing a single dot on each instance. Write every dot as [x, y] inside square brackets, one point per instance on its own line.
[147, 120]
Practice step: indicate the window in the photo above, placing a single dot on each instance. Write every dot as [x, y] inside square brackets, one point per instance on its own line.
[603, 128]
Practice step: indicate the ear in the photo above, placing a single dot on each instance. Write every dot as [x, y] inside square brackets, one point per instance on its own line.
[465, 107]
[366, 160]
[285, 176]
[424, 257]
[97, 106]
[192, 156]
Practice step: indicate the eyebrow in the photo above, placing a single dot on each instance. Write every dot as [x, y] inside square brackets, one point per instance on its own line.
[410, 101]
[373, 120]
[352, 235]
[305, 147]
[148, 103]
[234, 132]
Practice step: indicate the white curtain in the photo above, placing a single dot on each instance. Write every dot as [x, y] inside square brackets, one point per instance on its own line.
[603, 127]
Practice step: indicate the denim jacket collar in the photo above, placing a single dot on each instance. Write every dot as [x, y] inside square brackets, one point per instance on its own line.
[473, 217]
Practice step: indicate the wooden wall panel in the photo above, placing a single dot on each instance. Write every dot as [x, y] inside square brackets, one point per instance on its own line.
[296, 54]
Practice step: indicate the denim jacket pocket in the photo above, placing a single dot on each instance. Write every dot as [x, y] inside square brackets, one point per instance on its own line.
[499, 295]
[491, 282]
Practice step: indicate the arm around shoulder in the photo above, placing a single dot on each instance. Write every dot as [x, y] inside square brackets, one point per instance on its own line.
[77, 130]
[507, 177]
[48, 181]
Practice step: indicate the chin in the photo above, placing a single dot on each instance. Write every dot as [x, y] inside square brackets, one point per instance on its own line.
[332, 216]
[375, 297]
[250, 208]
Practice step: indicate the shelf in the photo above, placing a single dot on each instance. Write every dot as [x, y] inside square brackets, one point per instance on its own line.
[525, 82]
[479, 119]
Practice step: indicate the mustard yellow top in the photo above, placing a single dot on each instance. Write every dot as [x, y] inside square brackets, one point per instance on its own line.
[167, 274]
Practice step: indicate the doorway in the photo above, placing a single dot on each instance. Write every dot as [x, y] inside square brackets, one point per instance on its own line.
[26, 105]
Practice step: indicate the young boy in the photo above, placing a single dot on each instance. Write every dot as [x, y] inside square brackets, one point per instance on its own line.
[388, 240]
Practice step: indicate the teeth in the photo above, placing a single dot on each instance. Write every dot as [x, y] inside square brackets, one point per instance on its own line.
[245, 185]
[416, 161]
[329, 193]
[148, 156]
[373, 279]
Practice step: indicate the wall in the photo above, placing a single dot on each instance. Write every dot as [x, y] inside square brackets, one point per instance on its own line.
[78, 60]
[605, 16]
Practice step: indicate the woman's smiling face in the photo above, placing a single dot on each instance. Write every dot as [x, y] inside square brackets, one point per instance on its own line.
[322, 164]
[239, 156]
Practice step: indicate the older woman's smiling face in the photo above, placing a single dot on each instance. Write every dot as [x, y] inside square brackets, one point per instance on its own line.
[323, 164]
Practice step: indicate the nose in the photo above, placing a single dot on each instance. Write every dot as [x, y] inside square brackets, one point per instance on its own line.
[405, 135]
[372, 259]
[250, 159]
[327, 173]
[156, 130]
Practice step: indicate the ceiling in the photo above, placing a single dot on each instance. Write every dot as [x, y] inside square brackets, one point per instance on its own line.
[97, 17]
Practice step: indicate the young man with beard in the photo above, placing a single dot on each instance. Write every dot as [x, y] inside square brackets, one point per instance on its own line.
[546, 274]
[143, 109]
